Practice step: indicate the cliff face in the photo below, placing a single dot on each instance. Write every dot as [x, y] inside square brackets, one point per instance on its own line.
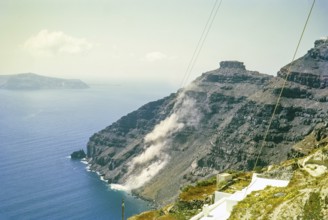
[216, 123]
[311, 69]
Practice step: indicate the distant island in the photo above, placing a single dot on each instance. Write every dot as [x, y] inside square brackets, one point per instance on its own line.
[32, 81]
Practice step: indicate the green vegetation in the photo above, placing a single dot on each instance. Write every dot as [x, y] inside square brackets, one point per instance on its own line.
[193, 197]
[306, 196]
[190, 202]
[318, 162]
[312, 207]
[239, 181]
[199, 192]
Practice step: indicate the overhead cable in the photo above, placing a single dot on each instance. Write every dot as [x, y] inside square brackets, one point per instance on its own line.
[201, 41]
[283, 86]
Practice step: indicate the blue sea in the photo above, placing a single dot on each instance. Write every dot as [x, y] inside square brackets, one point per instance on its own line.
[38, 132]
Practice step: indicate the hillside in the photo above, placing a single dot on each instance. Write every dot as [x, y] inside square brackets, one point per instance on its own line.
[305, 197]
[31, 81]
[214, 124]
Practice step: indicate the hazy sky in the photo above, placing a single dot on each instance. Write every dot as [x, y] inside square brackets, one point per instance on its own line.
[151, 39]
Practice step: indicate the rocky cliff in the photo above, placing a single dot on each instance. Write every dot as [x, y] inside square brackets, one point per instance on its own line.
[31, 81]
[311, 69]
[215, 123]
[305, 197]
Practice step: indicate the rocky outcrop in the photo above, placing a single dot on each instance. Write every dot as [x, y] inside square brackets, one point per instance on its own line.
[216, 123]
[78, 155]
[31, 81]
[232, 65]
[312, 69]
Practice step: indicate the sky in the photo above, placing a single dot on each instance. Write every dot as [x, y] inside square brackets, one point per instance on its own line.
[151, 40]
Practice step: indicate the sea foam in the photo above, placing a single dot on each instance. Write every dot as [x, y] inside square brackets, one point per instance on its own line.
[118, 187]
[84, 161]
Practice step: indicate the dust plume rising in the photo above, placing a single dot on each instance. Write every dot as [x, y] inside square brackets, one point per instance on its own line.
[155, 156]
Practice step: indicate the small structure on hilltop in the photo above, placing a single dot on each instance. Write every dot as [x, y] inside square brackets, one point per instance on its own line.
[223, 177]
[232, 65]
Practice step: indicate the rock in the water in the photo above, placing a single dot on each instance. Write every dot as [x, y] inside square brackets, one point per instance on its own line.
[80, 154]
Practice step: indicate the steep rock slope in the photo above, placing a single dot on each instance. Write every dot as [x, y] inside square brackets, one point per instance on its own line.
[311, 69]
[215, 123]
[305, 197]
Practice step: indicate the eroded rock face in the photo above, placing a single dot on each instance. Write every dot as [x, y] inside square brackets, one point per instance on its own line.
[216, 123]
[312, 69]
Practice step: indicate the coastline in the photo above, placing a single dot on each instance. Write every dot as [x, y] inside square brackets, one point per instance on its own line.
[117, 187]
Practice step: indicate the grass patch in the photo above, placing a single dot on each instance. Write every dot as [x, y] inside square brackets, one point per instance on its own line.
[197, 193]
[300, 198]
[312, 207]
[239, 181]
[150, 215]
[305, 197]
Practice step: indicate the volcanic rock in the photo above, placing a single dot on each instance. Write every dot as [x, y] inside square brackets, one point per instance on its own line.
[218, 122]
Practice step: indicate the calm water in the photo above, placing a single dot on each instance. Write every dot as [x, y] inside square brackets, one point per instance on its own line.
[39, 130]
